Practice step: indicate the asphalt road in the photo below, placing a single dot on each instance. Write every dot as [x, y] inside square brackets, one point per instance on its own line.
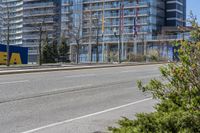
[81, 101]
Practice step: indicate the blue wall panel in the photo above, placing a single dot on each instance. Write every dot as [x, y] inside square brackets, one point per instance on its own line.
[16, 49]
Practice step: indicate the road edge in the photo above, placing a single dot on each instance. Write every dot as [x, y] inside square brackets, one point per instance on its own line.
[9, 72]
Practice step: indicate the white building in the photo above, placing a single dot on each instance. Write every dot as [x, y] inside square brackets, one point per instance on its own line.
[11, 16]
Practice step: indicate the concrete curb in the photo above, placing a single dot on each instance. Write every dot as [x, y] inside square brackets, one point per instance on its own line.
[8, 72]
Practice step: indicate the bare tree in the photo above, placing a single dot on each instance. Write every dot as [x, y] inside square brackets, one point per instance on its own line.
[76, 38]
[92, 22]
[96, 25]
[39, 25]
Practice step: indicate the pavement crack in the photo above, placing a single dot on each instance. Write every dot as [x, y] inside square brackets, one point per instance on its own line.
[63, 90]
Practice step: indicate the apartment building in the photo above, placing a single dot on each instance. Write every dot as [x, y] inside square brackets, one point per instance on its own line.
[133, 26]
[41, 21]
[106, 26]
[66, 16]
[11, 19]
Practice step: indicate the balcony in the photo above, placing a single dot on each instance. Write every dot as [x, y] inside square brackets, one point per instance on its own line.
[29, 5]
[127, 5]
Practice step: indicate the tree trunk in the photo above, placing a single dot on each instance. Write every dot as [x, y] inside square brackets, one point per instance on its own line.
[40, 47]
[77, 54]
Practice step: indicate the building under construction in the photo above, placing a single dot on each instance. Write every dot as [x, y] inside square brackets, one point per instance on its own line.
[112, 30]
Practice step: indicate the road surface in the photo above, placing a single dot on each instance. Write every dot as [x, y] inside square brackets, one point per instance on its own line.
[81, 101]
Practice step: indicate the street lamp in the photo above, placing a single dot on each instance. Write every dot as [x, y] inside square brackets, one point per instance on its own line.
[119, 44]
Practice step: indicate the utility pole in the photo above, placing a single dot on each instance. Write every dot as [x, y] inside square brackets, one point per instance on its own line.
[97, 26]
[120, 30]
[119, 49]
[97, 50]
[136, 27]
[103, 28]
[40, 45]
[90, 36]
[8, 48]
[8, 35]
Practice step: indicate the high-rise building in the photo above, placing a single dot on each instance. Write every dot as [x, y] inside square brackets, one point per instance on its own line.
[41, 21]
[66, 16]
[128, 26]
[108, 22]
[11, 21]
[106, 26]
[175, 12]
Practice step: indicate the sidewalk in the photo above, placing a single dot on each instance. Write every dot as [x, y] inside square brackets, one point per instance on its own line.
[63, 67]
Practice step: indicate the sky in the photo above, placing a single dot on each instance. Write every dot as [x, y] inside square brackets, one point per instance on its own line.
[194, 5]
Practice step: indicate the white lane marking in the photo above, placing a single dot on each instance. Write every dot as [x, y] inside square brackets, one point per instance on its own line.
[14, 82]
[79, 76]
[86, 116]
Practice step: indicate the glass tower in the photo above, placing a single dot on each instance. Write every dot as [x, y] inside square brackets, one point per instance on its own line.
[175, 12]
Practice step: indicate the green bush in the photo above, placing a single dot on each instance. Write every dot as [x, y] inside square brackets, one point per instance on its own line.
[179, 108]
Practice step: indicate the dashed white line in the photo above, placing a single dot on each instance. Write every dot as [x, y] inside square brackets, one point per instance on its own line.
[14, 82]
[86, 116]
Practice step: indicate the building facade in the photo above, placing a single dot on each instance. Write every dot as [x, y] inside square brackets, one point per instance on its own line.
[11, 21]
[66, 16]
[41, 23]
[129, 26]
[107, 28]
[175, 12]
